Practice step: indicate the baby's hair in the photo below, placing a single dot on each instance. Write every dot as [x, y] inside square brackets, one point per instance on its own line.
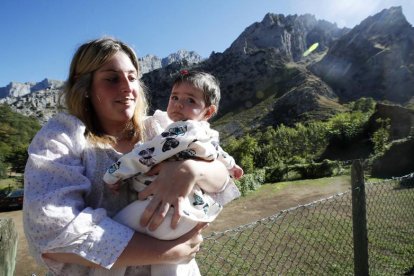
[203, 81]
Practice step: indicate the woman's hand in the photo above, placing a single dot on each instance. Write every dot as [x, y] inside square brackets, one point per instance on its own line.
[174, 182]
[145, 250]
[186, 247]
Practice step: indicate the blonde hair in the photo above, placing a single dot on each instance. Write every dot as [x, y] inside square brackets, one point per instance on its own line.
[88, 58]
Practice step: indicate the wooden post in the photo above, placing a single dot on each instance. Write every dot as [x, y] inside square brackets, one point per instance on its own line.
[359, 220]
[8, 247]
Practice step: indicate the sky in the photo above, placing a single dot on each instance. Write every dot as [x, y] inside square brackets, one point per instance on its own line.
[39, 37]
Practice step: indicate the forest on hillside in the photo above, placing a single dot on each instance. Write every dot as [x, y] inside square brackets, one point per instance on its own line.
[16, 132]
[273, 148]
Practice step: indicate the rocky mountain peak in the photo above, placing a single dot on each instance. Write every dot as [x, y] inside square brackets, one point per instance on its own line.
[190, 56]
[149, 63]
[375, 59]
[388, 21]
[18, 89]
[14, 89]
[290, 35]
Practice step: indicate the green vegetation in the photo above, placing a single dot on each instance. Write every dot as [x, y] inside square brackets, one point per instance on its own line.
[301, 143]
[287, 153]
[16, 132]
[381, 137]
[270, 155]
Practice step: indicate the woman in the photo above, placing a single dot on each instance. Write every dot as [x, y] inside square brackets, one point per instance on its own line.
[68, 209]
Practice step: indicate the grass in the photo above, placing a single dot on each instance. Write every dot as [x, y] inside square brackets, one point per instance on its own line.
[317, 239]
[12, 182]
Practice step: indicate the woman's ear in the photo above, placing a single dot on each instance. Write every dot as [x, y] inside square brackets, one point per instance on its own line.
[211, 110]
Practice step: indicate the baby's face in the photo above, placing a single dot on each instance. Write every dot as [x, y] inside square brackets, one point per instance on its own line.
[187, 103]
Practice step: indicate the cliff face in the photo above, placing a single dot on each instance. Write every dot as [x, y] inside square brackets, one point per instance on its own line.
[401, 120]
[375, 59]
[149, 63]
[41, 105]
[289, 35]
[17, 89]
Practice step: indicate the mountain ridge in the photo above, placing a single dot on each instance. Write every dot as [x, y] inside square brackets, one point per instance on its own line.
[264, 70]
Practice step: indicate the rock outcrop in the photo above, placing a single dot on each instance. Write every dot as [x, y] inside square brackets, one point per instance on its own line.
[290, 35]
[17, 89]
[149, 63]
[375, 59]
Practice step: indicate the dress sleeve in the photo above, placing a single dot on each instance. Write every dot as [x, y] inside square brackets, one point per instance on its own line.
[56, 217]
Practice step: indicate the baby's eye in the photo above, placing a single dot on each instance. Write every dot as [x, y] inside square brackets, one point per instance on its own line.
[190, 100]
[174, 98]
[132, 78]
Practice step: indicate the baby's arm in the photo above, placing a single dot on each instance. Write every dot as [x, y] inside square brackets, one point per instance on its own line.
[237, 172]
[177, 137]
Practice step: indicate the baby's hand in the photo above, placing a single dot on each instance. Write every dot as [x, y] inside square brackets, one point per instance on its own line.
[237, 172]
[114, 188]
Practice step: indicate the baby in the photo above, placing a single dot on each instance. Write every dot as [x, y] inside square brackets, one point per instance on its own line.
[183, 132]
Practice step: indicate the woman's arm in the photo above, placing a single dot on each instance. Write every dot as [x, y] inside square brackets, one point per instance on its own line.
[174, 182]
[145, 250]
[57, 214]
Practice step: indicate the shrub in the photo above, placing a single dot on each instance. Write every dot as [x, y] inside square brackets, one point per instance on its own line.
[250, 182]
[275, 173]
[317, 170]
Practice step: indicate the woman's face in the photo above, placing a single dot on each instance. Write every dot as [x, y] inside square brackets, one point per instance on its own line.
[114, 92]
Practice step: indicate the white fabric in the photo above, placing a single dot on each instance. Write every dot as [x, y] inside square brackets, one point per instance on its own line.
[67, 207]
[195, 139]
[170, 139]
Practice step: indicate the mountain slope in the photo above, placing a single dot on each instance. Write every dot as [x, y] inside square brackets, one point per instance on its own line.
[375, 59]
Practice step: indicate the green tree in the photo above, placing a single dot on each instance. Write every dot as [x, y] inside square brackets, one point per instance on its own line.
[3, 168]
[16, 132]
[243, 150]
[381, 136]
[365, 105]
[345, 127]
[18, 158]
[266, 153]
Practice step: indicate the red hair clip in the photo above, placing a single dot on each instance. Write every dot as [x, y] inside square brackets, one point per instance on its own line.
[184, 72]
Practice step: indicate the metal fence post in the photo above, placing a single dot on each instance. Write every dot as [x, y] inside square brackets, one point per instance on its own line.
[359, 220]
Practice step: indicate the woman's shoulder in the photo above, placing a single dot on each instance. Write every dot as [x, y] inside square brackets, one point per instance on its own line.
[62, 127]
[64, 123]
[64, 120]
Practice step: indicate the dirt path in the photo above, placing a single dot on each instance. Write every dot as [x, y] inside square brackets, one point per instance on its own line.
[25, 264]
[268, 200]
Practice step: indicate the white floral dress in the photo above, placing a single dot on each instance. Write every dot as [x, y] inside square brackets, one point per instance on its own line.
[67, 207]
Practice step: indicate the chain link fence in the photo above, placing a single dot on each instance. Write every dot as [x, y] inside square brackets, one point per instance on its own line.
[317, 238]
